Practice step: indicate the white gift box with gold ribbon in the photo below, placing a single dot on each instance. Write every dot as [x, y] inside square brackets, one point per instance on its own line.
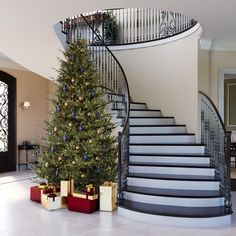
[56, 201]
[108, 196]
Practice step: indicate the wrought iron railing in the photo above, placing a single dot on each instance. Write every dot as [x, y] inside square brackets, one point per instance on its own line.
[113, 80]
[129, 26]
[217, 145]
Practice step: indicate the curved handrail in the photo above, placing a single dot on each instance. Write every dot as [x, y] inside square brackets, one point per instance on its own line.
[133, 25]
[217, 139]
[122, 70]
[215, 110]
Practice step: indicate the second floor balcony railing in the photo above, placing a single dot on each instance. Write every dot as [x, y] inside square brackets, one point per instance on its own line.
[129, 26]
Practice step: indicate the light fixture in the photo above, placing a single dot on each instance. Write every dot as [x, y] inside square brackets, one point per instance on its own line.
[26, 105]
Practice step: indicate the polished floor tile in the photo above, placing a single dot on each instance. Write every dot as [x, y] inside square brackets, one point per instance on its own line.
[21, 217]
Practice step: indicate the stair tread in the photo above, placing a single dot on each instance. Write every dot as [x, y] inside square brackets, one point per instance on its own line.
[138, 109]
[168, 144]
[174, 192]
[150, 117]
[200, 155]
[138, 103]
[173, 177]
[164, 125]
[190, 212]
[184, 165]
[163, 134]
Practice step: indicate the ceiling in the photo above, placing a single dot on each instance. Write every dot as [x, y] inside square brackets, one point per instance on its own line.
[28, 27]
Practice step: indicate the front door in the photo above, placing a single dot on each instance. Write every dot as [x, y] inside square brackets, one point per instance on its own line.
[7, 122]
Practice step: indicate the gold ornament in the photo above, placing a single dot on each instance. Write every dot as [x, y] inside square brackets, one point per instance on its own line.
[83, 175]
[90, 140]
[72, 80]
[73, 162]
[87, 83]
[70, 124]
[59, 158]
[81, 99]
[66, 104]
[46, 164]
[77, 147]
[97, 158]
[55, 129]
[88, 114]
[99, 131]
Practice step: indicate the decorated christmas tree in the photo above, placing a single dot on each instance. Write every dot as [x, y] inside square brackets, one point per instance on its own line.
[80, 144]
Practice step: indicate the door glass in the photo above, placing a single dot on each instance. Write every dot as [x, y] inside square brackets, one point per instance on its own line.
[3, 117]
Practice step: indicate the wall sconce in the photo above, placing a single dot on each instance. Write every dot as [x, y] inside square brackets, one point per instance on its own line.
[26, 105]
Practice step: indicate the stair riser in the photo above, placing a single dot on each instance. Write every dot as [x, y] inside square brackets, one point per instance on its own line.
[174, 201]
[145, 113]
[171, 170]
[138, 106]
[151, 121]
[158, 130]
[176, 221]
[163, 139]
[173, 184]
[166, 149]
[172, 160]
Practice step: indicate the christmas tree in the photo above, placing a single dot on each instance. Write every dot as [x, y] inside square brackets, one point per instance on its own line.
[80, 144]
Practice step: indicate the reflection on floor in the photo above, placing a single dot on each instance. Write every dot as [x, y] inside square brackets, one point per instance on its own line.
[22, 217]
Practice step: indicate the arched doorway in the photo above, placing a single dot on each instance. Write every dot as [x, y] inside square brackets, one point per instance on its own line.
[7, 122]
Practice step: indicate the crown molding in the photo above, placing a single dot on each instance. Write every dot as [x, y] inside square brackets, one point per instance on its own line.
[206, 44]
[5, 62]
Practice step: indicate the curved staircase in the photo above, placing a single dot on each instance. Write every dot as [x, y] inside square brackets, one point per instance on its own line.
[164, 176]
[170, 179]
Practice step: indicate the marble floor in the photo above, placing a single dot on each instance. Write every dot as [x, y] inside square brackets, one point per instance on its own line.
[21, 217]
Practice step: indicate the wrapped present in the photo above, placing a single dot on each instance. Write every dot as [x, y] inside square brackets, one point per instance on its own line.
[67, 187]
[53, 201]
[90, 189]
[108, 196]
[85, 195]
[79, 204]
[37, 191]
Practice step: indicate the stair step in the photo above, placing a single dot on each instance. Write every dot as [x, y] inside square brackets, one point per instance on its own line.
[180, 193]
[162, 138]
[171, 159]
[157, 129]
[214, 221]
[173, 177]
[151, 120]
[166, 164]
[138, 105]
[183, 182]
[174, 201]
[173, 170]
[166, 148]
[174, 210]
[145, 113]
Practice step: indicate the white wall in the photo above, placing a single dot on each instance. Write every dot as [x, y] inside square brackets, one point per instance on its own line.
[166, 78]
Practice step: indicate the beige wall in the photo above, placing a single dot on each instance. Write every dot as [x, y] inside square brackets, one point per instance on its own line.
[166, 78]
[204, 71]
[34, 88]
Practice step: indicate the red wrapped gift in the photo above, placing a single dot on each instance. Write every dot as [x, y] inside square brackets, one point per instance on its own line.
[36, 192]
[82, 205]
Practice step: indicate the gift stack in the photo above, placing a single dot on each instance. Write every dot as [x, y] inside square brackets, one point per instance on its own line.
[49, 196]
[55, 197]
